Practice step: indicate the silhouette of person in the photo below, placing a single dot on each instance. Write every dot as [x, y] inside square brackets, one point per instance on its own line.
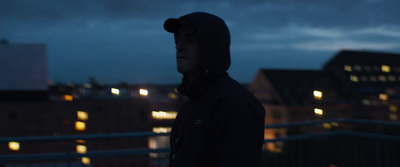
[221, 124]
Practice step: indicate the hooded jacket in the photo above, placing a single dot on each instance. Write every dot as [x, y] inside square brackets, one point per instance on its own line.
[222, 124]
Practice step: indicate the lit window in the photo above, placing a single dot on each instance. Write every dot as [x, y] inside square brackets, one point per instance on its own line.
[392, 78]
[335, 124]
[382, 78]
[164, 114]
[357, 67]
[81, 141]
[393, 116]
[353, 78]
[143, 92]
[318, 111]
[115, 91]
[68, 98]
[385, 68]
[383, 96]
[161, 129]
[327, 125]
[347, 68]
[80, 126]
[81, 149]
[173, 95]
[152, 142]
[82, 115]
[14, 146]
[393, 108]
[317, 94]
[85, 160]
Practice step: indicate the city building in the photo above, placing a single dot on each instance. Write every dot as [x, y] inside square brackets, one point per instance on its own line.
[353, 84]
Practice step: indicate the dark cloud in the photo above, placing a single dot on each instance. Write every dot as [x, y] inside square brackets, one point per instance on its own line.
[94, 37]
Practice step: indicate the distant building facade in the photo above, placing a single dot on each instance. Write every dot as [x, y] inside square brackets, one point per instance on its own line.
[353, 84]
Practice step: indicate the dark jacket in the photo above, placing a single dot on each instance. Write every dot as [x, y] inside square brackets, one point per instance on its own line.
[222, 124]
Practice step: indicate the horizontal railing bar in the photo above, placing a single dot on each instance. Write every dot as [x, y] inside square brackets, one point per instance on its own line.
[306, 136]
[83, 137]
[308, 123]
[53, 156]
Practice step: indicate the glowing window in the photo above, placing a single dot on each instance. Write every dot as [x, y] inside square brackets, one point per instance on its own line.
[80, 126]
[385, 68]
[115, 91]
[143, 92]
[393, 116]
[353, 78]
[318, 111]
[383, 96]
[161, 129]
[14, 146]
[81, 141]
[317, 94]
[173, 95]
[335, 124]
[327, 125]
[82, 115]
[164, 114]
[382, 78]
[393, 108]
[81, 149]
[357, 67]
[85, 160]
[347, 68]
[68, 98]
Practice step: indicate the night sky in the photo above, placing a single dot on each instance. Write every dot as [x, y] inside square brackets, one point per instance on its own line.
[124, 40]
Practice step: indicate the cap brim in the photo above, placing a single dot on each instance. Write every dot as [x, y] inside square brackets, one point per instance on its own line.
[172, 25]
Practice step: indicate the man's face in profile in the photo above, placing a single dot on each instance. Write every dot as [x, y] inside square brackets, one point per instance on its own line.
[187, 50]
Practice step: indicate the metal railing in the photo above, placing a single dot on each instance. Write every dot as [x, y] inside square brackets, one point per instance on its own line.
[349, 143]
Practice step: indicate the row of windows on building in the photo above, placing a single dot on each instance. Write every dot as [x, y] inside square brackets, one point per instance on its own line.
[373, 78]
[381, 68]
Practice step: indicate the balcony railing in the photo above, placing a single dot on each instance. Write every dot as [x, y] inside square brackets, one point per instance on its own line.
[331, 143]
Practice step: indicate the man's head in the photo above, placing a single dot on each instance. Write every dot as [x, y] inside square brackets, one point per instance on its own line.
[202, 42]
[187, 42]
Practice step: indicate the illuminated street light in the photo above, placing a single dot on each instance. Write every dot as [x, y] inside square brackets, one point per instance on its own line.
[143, 92]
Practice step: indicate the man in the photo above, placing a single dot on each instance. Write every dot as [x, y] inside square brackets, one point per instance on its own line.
[222, 124]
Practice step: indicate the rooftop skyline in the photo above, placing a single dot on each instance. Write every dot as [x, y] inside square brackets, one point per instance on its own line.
[117, 41]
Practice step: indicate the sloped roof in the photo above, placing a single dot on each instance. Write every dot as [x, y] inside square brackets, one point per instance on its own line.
[363, 57]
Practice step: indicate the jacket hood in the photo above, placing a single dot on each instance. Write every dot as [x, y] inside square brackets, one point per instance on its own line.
[214, 39]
